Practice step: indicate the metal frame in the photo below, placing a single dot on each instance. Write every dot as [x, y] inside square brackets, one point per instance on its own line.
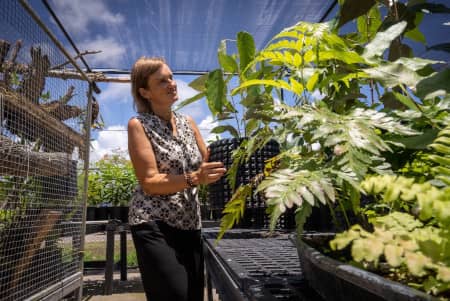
[217, 273]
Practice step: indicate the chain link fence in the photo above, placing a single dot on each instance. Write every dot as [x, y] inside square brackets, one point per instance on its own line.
[42, 152]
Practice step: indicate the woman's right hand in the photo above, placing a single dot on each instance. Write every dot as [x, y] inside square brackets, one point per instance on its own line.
[209, 172]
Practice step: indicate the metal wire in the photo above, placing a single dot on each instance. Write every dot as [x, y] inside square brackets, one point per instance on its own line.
[43, 145]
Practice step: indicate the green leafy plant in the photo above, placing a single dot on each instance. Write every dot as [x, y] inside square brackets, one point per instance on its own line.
[353, 137]
[379, 106]
[111, 181]
[411, 234]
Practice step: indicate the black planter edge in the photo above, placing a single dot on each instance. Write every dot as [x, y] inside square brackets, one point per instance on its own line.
[377, 285]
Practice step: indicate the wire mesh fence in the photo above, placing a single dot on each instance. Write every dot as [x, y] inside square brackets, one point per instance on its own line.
[42, 151]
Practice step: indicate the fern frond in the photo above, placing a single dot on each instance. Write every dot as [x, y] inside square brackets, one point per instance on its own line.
[234, 209]
[355, 140]
[286, 187]
[441, 145]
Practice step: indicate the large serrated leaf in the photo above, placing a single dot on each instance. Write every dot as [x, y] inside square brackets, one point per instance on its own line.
[434, 85]
[382, 41]
[215, 91]
[392, 74]
[351, 9]
[190, 100]
[199, 83]
[246, 48]
[369, 23]
[225, 128]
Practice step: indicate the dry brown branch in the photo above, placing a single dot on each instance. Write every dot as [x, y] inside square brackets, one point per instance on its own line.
[16, 50]
[54, 135]
[60, 109]
[69, 94]
[34, 82]
[64, 74]
[4, 49]
[94, 76]
[95, 110]
[19, 160]
[76, 57]
[40, 62]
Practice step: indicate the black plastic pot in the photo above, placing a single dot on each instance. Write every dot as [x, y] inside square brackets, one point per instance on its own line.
[90, 213]
[119, 213]
[101, 213]
[337, 281]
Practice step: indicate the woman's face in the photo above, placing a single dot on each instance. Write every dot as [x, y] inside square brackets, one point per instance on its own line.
[162, 88]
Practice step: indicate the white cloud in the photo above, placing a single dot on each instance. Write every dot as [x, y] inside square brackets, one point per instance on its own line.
[112, 51]
[78, 15]
[116, 93]
[205, 127]
[111, 139]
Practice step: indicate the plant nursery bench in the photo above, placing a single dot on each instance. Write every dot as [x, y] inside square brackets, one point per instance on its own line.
[111, 227]
[251, 265]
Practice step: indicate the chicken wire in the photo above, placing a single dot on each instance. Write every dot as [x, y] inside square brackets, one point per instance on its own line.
[42, 153]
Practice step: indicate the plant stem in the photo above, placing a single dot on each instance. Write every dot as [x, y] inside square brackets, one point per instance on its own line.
[237, 118]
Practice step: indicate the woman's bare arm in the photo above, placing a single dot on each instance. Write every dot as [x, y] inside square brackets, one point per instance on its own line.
[145, 166]
[151, 180]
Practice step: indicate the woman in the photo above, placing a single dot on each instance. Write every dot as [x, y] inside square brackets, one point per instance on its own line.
[170, 160]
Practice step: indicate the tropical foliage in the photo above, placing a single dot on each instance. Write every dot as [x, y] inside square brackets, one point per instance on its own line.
[362, 109]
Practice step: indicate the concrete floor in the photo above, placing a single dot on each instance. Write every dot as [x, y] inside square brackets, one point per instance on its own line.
[130, 290]
[121, 297]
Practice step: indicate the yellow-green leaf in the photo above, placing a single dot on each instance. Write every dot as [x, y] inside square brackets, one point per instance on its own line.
[312, 81]
[416, 263]
[367, 249]
[393, 255]
[443, 274]
[275, 83]
[296, 87]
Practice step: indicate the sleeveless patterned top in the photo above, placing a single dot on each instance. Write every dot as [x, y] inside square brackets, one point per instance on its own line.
[174, 155]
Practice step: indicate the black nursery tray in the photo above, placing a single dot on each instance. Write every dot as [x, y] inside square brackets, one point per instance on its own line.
[258, 265]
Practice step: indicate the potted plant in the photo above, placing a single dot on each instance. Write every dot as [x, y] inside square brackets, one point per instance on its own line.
[94, 211]
[361, 105]
[111, 184]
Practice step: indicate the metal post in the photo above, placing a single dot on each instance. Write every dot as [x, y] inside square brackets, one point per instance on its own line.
[87, 132]
[109, 268]
[209, 286]
[123, 254]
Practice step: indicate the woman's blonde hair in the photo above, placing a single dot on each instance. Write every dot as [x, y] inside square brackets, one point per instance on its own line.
[141, 71]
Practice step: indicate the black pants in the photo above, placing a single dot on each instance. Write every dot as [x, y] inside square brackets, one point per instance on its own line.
[170, 261]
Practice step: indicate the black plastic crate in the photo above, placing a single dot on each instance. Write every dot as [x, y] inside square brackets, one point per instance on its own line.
[220, 193]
